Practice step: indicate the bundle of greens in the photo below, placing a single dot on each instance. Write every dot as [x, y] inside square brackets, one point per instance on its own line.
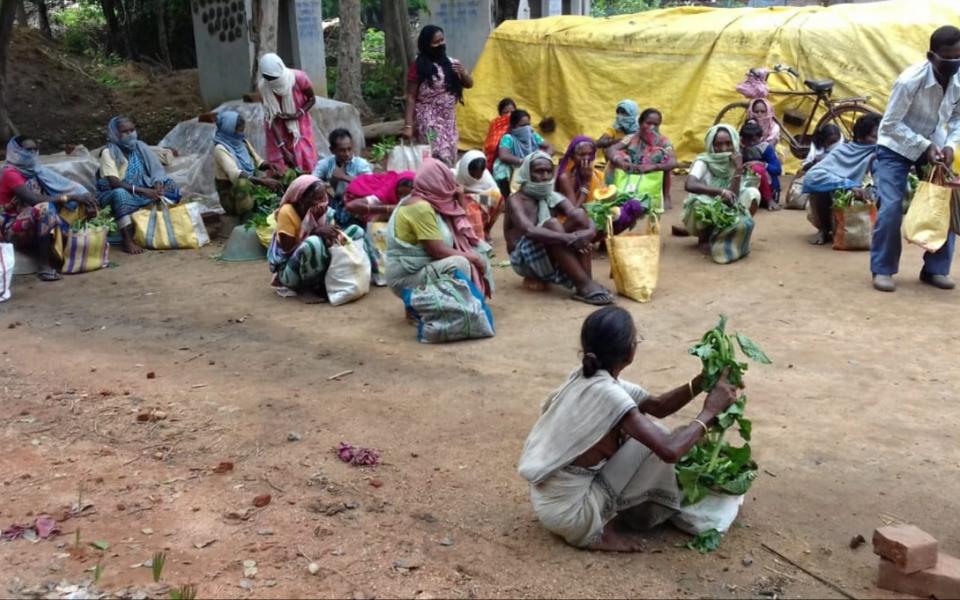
[714, 464]
[716, 214]
[103, 219]
[265, 201]
[381, 150]
[600, 210]
[843, 198]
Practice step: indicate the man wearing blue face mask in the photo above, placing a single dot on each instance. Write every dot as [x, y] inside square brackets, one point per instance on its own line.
[921, 126]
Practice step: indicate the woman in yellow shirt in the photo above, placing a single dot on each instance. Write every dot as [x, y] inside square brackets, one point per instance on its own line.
[299, 254]
[429, 235]
[235, 165]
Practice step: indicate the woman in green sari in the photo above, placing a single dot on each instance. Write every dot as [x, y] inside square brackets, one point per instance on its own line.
[716, 181]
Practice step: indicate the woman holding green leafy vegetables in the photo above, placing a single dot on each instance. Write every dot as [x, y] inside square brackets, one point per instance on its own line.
[599, 466]
[236, 164]
[720, 199]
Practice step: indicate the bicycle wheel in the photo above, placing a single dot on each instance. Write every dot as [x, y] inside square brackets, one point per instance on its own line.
[845, 116]
[734, 114]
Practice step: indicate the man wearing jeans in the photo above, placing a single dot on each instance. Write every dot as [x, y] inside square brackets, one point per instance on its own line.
[921, 126]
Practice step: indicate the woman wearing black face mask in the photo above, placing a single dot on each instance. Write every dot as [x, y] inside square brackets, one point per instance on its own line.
[921, 126]
[435, 84]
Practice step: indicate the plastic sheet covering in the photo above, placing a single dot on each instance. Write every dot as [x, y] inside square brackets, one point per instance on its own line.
[688, 61]
[192, 169]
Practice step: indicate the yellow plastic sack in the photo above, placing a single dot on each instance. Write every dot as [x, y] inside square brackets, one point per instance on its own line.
[163, 227]
[635, 261]
[82, 251]
[265, 232]
[927, 221]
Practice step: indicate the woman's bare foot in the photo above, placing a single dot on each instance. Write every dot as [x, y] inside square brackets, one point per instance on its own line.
[129, 246]
[821, 239]
[617, 541]
[534, 285]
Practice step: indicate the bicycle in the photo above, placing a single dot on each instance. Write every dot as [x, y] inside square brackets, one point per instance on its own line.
[843, 113]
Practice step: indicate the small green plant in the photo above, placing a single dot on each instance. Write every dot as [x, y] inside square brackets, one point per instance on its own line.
[373, 48]
[184, 592]
[159, 560]
[97, 572]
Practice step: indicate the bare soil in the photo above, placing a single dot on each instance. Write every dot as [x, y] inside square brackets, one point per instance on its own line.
[854, 426]
[65, 99]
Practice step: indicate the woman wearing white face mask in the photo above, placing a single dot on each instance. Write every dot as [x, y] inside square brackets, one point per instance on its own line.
[287, 96]
[521, 142]
[130, 177]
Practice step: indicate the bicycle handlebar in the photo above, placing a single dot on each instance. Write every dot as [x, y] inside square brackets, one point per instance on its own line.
[781, 68]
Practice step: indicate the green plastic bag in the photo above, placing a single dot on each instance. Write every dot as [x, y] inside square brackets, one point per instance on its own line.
[638, 185]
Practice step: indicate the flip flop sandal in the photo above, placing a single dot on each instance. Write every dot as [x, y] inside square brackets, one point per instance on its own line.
[49, 276]
[285, 292]
[597, 298]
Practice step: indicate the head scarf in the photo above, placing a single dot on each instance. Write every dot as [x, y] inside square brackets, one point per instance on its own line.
[720, 164]
[228, 137]
[630, 122]
[524, 141]
[119, 148]
[272, 65]
[568, 162]
[435, 183]
[28, 164]
[381, 185]
[295, 193]
[430, 61]
[771, 131]
[541, 191]
[474, 186]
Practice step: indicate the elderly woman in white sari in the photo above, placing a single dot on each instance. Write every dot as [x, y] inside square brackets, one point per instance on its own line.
[484, 203]
[600, 468]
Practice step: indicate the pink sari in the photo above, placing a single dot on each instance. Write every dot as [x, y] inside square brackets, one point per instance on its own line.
[304, 151]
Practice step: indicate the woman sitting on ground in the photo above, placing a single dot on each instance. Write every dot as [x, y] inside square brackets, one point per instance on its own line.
[374, 196]
[34, 202]
[626, 124]
[521, 142]
[235, 165]
[499, 127]
[299, 253]
[646, 151]
[716, 177]
[579, 181]
[844, 168]
[761, 111]
[429, 235]
[760, 158]
[599, 462]
[481, 192]
[130, 178]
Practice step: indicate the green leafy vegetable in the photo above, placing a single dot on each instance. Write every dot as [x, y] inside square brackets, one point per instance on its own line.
[600, 211]
[716, 213]
[706, 542]
[265, 202]
[381, 150]
[714, 464]
[103, 218]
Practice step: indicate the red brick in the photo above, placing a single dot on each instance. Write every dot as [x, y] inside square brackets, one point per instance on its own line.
[941, 582]
[908, 547]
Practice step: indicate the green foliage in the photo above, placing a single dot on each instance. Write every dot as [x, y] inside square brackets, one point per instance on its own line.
[706, 542]
[104, 218]
[715, 213]
[608, 8]
[184, 592]
[381, 150]
[159, 560]
[714, 464]
[83, 27]
[374, 46]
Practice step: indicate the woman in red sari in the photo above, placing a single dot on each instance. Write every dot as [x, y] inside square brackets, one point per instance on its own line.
[499, 127]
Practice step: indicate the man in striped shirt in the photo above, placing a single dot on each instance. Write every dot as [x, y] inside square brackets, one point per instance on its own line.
[921, 126]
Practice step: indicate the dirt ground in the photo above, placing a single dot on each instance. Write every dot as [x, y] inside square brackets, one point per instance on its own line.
[854, 426]
[65, 99]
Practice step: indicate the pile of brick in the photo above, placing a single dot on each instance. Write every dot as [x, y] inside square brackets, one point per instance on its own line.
[911, 563]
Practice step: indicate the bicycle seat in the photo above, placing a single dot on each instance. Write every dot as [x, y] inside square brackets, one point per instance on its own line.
[820, 85]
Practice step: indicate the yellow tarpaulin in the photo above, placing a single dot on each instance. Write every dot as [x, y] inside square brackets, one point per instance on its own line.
[688, 61]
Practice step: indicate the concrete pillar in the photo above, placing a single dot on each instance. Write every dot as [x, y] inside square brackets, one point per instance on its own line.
[306, 36]
[466, 23]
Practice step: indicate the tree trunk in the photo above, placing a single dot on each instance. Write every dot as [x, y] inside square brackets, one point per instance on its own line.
[400, 49]
[162, 34]
[43, 16]
[114, 31]
[8, 11]
[127, 30]
[349, 73]
[22, 19]
[265, 15]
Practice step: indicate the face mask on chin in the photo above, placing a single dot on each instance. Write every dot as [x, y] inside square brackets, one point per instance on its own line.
[129, 139]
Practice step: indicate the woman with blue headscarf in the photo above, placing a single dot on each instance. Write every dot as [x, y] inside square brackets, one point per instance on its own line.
[625, 125]
[235, 165]
[34, 201]
[130, 178]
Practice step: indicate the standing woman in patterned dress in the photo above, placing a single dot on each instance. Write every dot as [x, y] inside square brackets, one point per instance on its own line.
[435, 84]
